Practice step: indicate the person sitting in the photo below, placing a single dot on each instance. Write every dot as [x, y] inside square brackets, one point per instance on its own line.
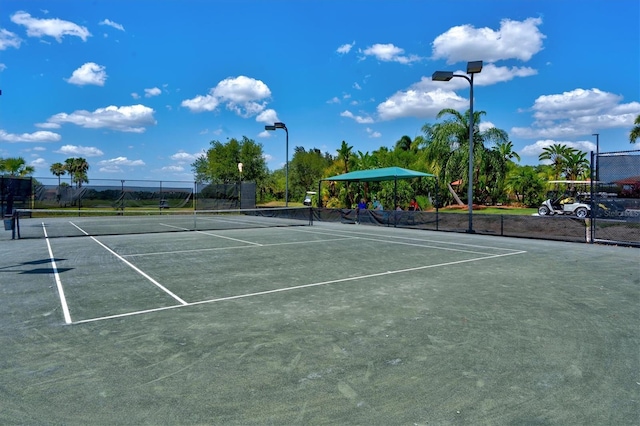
[362, 205]
[377, 205]
[414, 206]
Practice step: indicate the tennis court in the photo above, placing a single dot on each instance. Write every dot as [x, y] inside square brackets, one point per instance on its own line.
[324, 324]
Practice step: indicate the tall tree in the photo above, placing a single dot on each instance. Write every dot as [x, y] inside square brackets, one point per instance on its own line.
[69, 166]
[447, 150]
[220, 164]
[576, 165]
[344, 154]
[556, 155]
[305, 170]
[404, 143]
[506, 151]
[16, 166]
[80, 168]
[58, 169]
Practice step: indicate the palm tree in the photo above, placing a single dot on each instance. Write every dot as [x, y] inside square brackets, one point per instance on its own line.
[556, 154]
[344, 154]
[58, 169]
[77, 169]
[635, 132]
[16, 166]
[448, 147]
[69, 168]
[80, 166]
[576, 165]
[404, 143]
[506, 151]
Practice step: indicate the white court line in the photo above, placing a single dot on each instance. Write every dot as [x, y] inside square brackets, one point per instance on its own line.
[56, 275]
[134, 267]
[356, 235]
[379, 239]
[213, 235]
[298, 287]
[411, 238]
[236, 247]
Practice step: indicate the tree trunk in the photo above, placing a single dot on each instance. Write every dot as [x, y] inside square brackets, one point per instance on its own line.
[455, 196]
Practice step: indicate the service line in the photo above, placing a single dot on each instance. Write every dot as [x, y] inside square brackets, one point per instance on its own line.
[298, 287]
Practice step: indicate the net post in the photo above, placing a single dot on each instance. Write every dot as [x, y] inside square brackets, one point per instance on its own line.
[15, 224]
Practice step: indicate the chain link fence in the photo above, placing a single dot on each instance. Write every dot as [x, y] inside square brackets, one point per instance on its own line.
[616, 198]
[53, 193]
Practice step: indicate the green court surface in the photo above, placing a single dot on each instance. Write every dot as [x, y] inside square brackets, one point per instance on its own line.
[329, 324]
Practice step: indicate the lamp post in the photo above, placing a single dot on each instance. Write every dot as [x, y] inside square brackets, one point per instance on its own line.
[473, 67]
[280, 125]
[240, 188]
[597, 135]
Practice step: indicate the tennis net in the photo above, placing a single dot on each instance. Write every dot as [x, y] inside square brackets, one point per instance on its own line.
[41, 223]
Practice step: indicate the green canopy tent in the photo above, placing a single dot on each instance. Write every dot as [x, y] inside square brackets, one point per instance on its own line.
[375, 175]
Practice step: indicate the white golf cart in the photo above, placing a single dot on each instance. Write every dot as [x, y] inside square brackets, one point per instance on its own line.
[573, 201]
[309, 198]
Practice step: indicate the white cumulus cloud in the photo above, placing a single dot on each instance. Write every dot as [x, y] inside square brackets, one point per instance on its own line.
[133, 118]
[514, 40]
[357, 118]
[39, 136]
[82, 151]
[577, 113]
[243, 95]
[148, 93]
[89, 73]
[56, 28]
[121, 161]
[390, 53]
[345, 48]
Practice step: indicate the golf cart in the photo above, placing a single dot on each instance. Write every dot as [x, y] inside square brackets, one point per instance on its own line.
[570, 202]
[308, 198]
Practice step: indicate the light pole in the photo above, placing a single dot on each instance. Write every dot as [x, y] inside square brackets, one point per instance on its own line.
[280, 125]
[473, 67]
[240, 188]
[597, 135]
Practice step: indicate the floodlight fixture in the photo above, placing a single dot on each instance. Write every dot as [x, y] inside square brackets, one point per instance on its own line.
[442, 76]
[474, 67]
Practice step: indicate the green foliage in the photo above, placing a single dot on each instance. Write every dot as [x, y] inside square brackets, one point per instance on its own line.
[77, 169]
[220, 163]
[635, 131]
[306, 168]
[15, 166]
[527, 185]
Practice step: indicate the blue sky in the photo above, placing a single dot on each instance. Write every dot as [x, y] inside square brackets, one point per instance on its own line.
[140, 88]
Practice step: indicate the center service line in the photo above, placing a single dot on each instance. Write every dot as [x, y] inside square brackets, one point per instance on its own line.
[298, 287]
[134, 267]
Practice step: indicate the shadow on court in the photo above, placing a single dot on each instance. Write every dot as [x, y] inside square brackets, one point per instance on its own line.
[330, 324]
